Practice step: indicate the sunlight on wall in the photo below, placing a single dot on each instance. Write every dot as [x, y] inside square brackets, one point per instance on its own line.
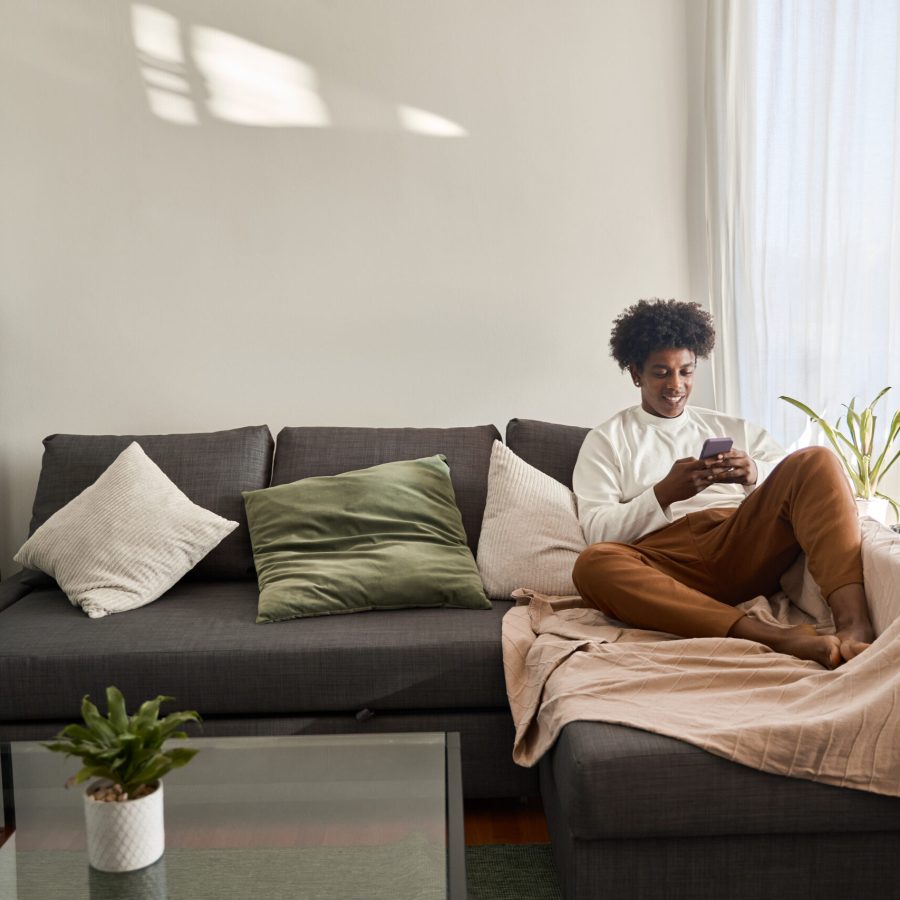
[157, 37]
[171, 107]
[156, 33]
[253, 85]
[244, 82]
[421, 121]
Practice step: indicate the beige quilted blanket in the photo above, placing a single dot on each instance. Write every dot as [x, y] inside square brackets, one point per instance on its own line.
[734, 698]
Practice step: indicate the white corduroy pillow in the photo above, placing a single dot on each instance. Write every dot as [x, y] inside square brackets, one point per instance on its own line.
[125, 540]
[530, 536]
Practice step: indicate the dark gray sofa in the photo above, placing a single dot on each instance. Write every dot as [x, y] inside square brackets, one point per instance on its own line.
[398, 670]
[638, 815]
[631, 814]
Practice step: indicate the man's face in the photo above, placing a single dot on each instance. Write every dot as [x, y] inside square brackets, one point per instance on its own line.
[666, 381]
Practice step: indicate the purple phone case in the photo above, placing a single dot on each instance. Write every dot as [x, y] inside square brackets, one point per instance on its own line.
[715, 446]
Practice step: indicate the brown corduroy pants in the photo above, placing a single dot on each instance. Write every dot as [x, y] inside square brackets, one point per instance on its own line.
[687, 577]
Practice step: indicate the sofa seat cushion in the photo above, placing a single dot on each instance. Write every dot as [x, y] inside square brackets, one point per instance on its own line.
[199, 643]
[620, 782]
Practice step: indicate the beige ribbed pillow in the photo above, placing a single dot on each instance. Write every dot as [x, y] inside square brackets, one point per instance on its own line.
[125, 540]
[530, 536]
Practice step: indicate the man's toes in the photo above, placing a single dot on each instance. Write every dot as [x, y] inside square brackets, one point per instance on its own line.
[834, 655]
[851, 649]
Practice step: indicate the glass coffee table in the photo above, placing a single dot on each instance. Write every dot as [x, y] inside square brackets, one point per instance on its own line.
[318, 817]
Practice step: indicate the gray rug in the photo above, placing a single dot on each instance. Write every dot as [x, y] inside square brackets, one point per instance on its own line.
[512, 872]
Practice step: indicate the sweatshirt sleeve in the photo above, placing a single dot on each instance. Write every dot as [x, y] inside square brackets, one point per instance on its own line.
[603, 512]
[765, 451]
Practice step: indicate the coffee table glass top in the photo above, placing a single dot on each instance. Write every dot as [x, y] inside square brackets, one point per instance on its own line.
[336, 816]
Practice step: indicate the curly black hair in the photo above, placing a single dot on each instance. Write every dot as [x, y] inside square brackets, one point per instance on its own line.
[651, 325]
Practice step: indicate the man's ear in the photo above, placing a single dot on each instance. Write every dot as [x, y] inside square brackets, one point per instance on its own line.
[635, 375]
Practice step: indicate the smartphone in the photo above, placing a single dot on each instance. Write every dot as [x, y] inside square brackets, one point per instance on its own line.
[715, 446]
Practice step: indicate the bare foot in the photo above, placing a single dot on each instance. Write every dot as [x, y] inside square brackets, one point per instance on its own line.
[854, 641]
[801, 641]
[825, 649]
[851, 619]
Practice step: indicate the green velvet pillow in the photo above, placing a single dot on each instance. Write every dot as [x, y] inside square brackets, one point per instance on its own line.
[388, 537]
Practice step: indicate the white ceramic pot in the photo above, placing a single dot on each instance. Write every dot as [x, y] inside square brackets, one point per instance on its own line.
[122, 837]
[877, 508]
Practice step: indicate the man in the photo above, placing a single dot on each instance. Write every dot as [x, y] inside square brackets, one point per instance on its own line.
[676, 542]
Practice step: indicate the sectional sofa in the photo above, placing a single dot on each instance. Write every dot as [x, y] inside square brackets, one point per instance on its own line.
[398, 670]
[632, 814]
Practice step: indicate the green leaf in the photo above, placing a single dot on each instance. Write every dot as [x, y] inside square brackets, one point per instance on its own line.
[853, 450]
[115, 703]
[101, 729]
[832, 437]
[168, 725]
[871, 465]
[87, 772]
[801, 406]
[60, 747]
[852, 419]
[893, 431]
[154, 768]
[125, 750]
[181, 756]
[895, 506]
[866, 430]
[77, 733]
[880, 395]
[886, 469]
[148, 713]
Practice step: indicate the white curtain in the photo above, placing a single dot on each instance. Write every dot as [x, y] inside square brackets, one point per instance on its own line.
[803, 206]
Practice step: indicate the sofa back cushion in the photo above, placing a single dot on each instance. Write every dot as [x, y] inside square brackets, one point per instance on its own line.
[303, 452]
[549, 447]
[211, 468]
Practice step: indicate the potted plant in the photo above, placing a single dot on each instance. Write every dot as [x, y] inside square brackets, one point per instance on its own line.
[124, 807]
[865, 466]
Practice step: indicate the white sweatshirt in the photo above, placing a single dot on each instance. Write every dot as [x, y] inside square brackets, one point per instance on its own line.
[621, 460]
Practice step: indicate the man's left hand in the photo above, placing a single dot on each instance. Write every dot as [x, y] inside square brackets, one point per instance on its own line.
[733, 467]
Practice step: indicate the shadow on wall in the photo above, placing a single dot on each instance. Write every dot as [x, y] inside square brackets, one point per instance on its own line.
[192, 71]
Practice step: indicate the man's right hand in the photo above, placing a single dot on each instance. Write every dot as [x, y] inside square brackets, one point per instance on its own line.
[686, 478]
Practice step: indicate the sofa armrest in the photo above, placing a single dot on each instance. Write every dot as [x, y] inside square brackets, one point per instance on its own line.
[14, 588]
[881, 571]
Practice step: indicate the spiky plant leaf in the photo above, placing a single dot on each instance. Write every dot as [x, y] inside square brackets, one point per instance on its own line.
[866, 431]
[148, 712]
[127, 750]
[869, 466]
[115, 703]
[895, 506]
[885, 470]
[102, 730]
[831, 434]
[893, 431]
[881, 393]
[852, 420]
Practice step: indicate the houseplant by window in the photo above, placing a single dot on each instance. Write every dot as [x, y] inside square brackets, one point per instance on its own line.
[124, 807]
[865, 465]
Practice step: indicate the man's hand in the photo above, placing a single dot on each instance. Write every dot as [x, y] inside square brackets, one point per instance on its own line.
[689, 476]
[733, 467]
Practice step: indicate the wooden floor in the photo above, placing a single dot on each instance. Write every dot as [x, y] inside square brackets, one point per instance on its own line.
[505, 822]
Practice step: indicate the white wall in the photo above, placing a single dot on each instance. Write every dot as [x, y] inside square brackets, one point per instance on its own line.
[297, 255]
